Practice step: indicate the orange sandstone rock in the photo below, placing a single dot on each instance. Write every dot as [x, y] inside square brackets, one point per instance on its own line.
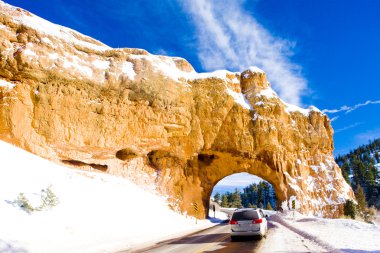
[153, 119]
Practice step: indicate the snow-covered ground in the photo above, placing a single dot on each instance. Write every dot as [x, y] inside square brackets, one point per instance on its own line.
[309, 234]
[96, 212]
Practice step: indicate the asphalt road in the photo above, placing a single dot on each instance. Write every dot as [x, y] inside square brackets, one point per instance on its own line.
[215, 239]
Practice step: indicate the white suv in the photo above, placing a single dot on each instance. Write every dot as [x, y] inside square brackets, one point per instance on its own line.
[248, 222]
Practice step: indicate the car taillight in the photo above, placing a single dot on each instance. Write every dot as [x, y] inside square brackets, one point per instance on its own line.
[257, 221]
[233, 222]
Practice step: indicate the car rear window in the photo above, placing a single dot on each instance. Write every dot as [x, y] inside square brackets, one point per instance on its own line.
[245, 215]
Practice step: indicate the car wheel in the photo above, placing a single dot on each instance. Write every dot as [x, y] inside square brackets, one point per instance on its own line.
[233, 238]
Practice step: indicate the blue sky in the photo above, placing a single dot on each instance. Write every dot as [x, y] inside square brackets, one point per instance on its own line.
[323, 53]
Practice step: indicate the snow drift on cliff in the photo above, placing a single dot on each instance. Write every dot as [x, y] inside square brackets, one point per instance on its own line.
[96, 212]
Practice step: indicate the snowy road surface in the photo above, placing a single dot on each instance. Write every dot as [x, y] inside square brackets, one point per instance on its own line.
[280, 238]
[286, 234]
[215, 239]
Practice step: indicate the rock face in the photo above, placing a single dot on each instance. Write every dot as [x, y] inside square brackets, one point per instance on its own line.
[153, 119]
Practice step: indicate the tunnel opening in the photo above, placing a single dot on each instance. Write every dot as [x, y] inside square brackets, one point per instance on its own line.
[242, 190]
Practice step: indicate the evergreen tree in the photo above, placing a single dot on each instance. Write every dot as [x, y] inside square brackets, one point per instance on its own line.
[217, 197]
[358, 169]
[269, 207]
[224, 202]
[236, 199]
[350, 209]
[377, 157]
[346, 171]
[360, 197]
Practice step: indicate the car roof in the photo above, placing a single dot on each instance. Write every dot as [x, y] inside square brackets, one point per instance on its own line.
[246, 209]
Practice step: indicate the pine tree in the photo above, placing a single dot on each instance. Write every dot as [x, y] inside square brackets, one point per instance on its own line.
[358, 169]
[224, 201]
[269, 207]
[360, 197]
[377, 157]
[350, 209]
[346, 171]
[236, 199]
[217, 197]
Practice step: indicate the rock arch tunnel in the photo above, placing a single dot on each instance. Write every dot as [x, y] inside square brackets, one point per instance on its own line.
[257, 133]
[318, 189]
[180, 132]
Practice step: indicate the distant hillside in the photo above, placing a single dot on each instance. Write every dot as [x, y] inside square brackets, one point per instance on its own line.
[362, 167]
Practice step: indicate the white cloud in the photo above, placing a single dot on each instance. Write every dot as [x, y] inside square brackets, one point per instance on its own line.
[348, 127]
[231, 38]
[348, 109]
[239, 179]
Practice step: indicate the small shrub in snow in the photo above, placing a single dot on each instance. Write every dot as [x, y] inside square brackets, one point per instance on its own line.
[24, 203]
[369, 214]
[48, 199]
[350, 209]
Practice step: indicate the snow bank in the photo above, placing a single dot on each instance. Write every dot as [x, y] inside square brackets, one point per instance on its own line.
[96, 212]
[341, 234]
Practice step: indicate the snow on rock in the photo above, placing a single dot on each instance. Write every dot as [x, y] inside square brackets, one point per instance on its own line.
[7, 85]
[29, 52]
[53, 56]
[43, 26]
[96, 212]
[47, 41]
[311, 184]
[255, 69]
[127, 68]
[268, 93]
[293, 108]
[239, 99]
[221, 74]
[100, 64]
[167, 67]
[77, 65]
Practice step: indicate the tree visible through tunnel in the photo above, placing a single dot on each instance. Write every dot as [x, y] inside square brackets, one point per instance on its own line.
[244, 190]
